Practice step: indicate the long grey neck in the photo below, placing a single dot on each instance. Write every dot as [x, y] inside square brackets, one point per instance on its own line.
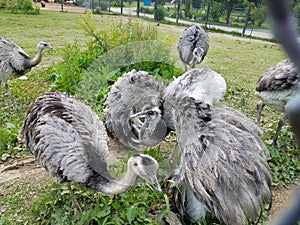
[36, 59]
[113, 185]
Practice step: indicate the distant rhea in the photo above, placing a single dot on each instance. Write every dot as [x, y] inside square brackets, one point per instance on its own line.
[133, 92]
[14, 62]
[69, 140]
[223, 169]
[277, 88]
[193, 46]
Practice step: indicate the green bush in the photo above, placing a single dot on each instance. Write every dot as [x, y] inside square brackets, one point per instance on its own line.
[67, 74]
[89, 74]
[115, 3]
[159, 13]
[2, 4]
[8, 141]
[104, 5]
[217, 10]
[296, 13]
[22, 6]
[258, 15]
[147, 10]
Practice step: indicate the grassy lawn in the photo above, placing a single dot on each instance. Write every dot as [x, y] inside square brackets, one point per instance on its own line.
[240, 61]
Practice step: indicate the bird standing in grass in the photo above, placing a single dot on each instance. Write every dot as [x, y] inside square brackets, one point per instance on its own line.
[277, 88]
[69, 140]
[223, 169]
[193, 46]
[14, 62]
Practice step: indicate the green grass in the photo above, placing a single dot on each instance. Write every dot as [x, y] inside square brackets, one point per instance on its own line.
[240, 61]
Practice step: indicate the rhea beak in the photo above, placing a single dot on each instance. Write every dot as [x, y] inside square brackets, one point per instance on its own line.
[154, 183]
[147, 113]
[152, 119]
[198, 54]
[51, 48]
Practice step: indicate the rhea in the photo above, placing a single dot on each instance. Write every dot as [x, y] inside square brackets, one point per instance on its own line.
[133, 92]
[223, 169]
[223, 166]
[14, 62]
[278, 87]
[70, 141]
[192, 46]
[203, 84]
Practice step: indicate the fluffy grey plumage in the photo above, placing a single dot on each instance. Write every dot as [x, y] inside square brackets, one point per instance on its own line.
[193, 46]
[134, 92]
[223, 162]
[14, 62]
[70, 141]
[277, 88]
[202, 84]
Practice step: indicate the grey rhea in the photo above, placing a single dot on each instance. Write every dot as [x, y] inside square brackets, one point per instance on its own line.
[204, 84]
[278, 87]
[133, 92]
[69, 140]
[14, 62]
[223, 168]
[192, 46]
[285, 32]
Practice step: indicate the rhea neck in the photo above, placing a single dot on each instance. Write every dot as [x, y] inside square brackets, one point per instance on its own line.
[36, 59]
[110, 185]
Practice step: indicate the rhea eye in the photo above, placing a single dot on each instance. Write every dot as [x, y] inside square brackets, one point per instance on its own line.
[135, 164]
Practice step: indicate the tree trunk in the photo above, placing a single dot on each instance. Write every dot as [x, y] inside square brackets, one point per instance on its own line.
[138, 8]
[122, 3]
[229, 8]
[178, 10]
[247, 19]
[207, 14]
[187, 8]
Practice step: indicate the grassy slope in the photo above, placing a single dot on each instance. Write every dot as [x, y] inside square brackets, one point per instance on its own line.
[241, 62]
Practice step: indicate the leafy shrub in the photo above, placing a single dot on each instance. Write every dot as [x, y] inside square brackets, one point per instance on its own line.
[104, 5]
[97, 11]
[258, 15]
[8, 141]
[147, 10]
[159, 13]
[116, 3]
[2, 4]
[89, 74]
[296, 13]
[67, 74]
[22, 6]
[216, 11]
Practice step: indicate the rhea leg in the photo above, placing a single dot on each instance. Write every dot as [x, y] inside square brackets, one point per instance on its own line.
[185, 67]
[281, 122]
[9, 94]
[260, 105]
